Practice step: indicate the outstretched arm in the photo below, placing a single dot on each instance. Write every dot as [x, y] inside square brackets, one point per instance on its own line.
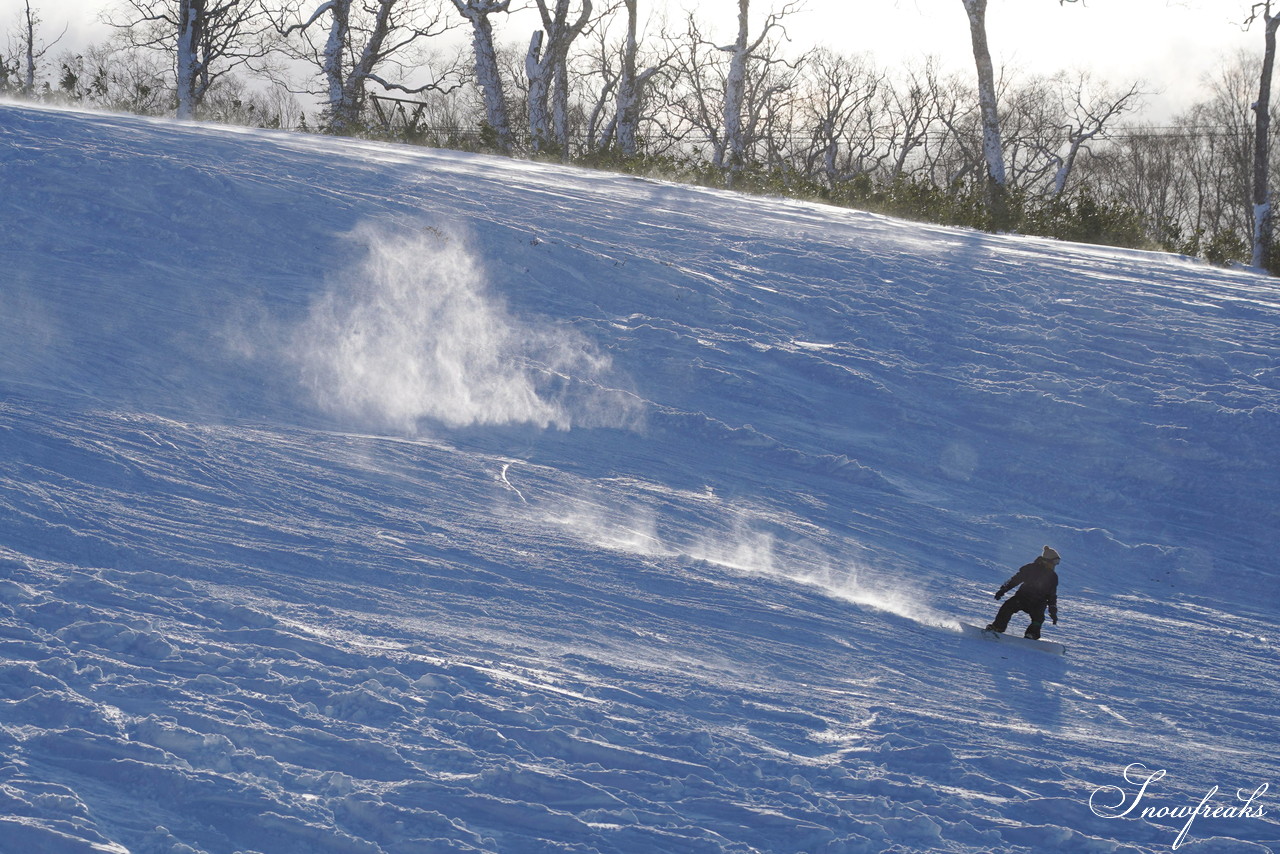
[1010, 584]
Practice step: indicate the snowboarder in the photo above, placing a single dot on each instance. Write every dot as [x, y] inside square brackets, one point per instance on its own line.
[1038, 591]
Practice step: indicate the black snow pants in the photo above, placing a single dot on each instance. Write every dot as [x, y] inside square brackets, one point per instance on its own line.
[1013, 605]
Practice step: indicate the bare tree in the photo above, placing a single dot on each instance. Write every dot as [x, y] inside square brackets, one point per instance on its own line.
[601, 74]
[730, 153]
[1090, 115]
[1191, 178]
[954, 155]
[361, 40]
[31, 49]
[237, 101]
[8, 74]
[697, 100]
[908, 119]
[658, 100]
[603, 67]
[206, 38]
[1048, 122]
[1263, 219]
[123, 81]
[487, 73]
[1144, 170]
[631, 86]
[840, 108]
[1030, 127]
[1224, 163]
[547, 68]
[992, 144]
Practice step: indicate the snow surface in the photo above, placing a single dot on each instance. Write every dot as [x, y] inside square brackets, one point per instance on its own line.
[357, 498]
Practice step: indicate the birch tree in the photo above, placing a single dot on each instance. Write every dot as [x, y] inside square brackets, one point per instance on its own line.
[547, 69]
[730, 153]
[1263, 219]
[206, 39]
[996, 186]
[30, 49]
[997, 194]
[616, 105]
[361, 39]
[631, 86]
[487, 74]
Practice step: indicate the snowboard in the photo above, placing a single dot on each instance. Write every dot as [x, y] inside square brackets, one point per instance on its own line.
[1014, 640]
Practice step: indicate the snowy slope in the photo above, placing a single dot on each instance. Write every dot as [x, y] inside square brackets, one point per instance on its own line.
[359, 498]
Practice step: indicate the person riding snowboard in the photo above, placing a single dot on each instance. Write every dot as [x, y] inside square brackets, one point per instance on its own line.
[1038, 591]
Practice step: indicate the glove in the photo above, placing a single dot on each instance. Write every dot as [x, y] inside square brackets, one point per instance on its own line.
[999, 595]
[1054, 617]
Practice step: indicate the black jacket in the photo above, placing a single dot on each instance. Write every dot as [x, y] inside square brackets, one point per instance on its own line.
[1039, 585]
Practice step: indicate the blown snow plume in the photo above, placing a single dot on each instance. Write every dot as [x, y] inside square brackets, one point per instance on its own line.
[762, 544]
[411, 334]
[743, 540]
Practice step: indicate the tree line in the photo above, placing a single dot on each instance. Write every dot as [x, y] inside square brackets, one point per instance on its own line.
[731, 103]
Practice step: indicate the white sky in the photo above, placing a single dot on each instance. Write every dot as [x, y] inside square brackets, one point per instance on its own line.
[1171, 44]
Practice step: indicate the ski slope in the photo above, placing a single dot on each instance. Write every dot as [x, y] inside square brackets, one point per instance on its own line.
[373, 500]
